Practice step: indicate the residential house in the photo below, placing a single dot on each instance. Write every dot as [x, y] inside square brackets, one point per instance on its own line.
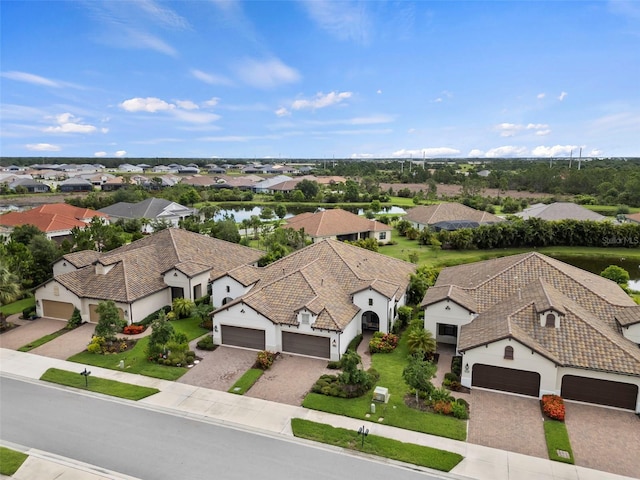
[448, 216]
[532, 325]
[128, 168]
[140, 277]
[265, 186]
[340, 225]
[560, 211]
[76, 184]
[635, 218]
[32, 186]
[311, 302]
[152, 210]
[55, 220]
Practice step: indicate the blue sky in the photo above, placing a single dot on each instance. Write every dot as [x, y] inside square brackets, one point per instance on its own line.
[319, 79]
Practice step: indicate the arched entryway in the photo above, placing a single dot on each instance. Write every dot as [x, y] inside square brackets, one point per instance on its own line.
[370, 321]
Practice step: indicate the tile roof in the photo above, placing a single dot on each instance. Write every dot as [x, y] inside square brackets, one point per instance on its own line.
[332, 222]
[322, 278]
[560, 211]
[511, 293]
[448, 212]
[136, 270]
[150, 208]
[51, 217]
[634, 217]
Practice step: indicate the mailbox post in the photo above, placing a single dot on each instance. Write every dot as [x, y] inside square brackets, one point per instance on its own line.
[86, 374]
[364, 432]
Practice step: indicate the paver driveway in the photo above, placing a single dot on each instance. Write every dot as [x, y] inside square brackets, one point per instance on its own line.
[507, 422]
[28, 331]
[220, 368]
[604, 438]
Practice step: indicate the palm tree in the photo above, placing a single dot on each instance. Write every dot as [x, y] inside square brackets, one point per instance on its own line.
[421, 339]
[9, 286]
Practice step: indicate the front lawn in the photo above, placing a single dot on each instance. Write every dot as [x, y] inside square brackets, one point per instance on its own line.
[135, 360]
[557, 438]
[375, 445]
[246, 381]
[395, 413]
[97, 384]
[11, 461]
[17, 307]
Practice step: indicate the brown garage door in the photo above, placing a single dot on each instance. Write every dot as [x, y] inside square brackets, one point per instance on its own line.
[243, 337]
[53, 309]
[602, 392]
[506, 380]
[306, 344]
[93, 314]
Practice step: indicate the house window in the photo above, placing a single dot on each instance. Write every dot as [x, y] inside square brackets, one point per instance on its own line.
[447, 330]
[550, 320]
[304, 318]
[370, 301]
[383, 235]
[228, 288]
[197, 291]
[508, 353]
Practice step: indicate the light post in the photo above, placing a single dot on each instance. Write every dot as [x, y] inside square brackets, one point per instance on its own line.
[86, 374]
[364, 432]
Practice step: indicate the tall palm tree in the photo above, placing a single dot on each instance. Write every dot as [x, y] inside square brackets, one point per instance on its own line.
[9, 286]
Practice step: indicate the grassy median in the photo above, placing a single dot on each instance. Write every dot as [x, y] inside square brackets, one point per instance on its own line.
[11, 461]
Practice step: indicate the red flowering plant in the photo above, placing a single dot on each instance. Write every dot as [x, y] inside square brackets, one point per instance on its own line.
[383, 342]
[133, 329]
[553, 407]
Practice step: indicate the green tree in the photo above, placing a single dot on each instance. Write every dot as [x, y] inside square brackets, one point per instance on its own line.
[351, 191]
[25, 233]
[418, 374]
[266, 213]
[226, 229]
[10, 289]
[75, 320]
[182, 307]
[352, 374]
[421, 339]
[109, 322]
[309, 189]
[161, 333]
[424, 278]
[297, 196]
[281, 211]
[616, 273]
[44, 253]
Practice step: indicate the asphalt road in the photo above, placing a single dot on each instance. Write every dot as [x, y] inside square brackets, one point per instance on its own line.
[148, 444]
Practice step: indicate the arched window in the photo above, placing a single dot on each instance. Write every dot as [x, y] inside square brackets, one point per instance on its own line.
[508, 353]
[550, 320]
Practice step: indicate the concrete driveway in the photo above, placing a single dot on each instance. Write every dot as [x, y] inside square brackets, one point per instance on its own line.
[507, 422]
[604, 438]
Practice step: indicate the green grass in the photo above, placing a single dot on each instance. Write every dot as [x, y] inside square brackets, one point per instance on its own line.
[135, 360]
[11, 461]
[557, 438]
[42, 340]
[374, 445]
[97, 384]
[246, 381]
[394, 413]
[17, 307]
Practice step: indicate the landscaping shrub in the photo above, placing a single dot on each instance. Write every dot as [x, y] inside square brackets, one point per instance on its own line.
[452, 377]
[443, 407]
[29, 312]
[353, 344]
[96, 344]
[151, 317]
[206, 343]
[206, 300]
[133, 329]
[207, 324]
[459, 410]
[265, 359]
[75, 320]
[462, 401]
[405, 313]
[452, 385]
[334, 365]
[456, 365]
[553, 407]
[383, 342]
[441, 395]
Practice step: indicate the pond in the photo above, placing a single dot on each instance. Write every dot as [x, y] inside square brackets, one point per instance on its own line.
[244, 213]
[598, 264]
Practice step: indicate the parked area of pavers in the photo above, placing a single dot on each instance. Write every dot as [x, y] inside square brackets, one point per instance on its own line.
[219, 369]
[604, 438]
[28, 331]
[507, 422]
[72, 342]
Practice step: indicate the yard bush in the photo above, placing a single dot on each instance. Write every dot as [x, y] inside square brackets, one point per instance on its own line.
[553, 407]
[458, 410]
[452, 377]
[353, 344]
[265, 359]
[133, 329]
[75, 320]
[383, 342]
[29, 312]
[206, 343]
[456, 365]
[443, 407]
[206, 300]
[405, 313]
[151, 317]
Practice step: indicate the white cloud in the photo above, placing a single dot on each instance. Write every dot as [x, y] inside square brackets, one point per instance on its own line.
[186, 104]
[282, 112]
[31, 78]
[542, 133]
[321, 100]
[511, 129]
[562, 96]
[362, 155]
[540, 96]
[67, 123]
[121, 153]
[149, 104]
[475, 153]
[427, 152]
[506, 151]
[595, 153]
[195, 117]
[266, 74]
[43, 147]
[379, 92]
[555, 151]
[344, 20]
[104, 130]
[163, 15]
[210, 78]
[100, 154]
[212, 102]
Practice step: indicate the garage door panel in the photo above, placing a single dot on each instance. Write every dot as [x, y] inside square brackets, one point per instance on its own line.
[243, 337]
[53, 309]
[306, 344]
[601, 392]
[506, 379]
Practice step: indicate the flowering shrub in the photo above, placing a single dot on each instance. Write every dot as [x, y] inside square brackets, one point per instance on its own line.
[443, 407]
[265, 359]
[553, 407]
[383, 342]
[133, 329]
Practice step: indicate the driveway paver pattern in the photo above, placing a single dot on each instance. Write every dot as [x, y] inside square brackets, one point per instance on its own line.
[28, 331]
[219, 369]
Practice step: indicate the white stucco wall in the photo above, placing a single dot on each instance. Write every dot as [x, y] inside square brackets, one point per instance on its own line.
[380, 307]
[219, 290]
[249, 319]
[437, 313]
[147, 305]
[58, 293]
[632, 332]
[378, 235]
[62, 266]
[523, 359]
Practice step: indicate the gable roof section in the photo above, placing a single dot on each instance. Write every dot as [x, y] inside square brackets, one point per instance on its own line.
[326, 223]
[51, 217]
[448, 212]
[149, 208]
[450, 292]
[560, 211]
[138, 268]
[627, 316]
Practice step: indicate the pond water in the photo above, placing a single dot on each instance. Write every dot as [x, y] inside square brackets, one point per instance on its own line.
[244, 213]
[598, 264]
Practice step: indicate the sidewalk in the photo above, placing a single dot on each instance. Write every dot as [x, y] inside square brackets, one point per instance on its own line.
[479, 462]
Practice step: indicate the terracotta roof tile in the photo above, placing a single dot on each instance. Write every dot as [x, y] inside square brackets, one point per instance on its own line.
[448, 212]
[334, 222]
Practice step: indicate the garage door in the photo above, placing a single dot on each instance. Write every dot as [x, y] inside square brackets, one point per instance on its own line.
[306, 344]
[93, 314]
[243, 337]
[53, 309]
[602, 392]
[506, 380]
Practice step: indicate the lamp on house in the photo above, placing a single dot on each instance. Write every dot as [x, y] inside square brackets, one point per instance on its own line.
[466, 368]
[215, 328]
[242, 311]
[334, 343]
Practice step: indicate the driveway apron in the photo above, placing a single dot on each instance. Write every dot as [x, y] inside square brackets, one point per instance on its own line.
[68, 344]
[29, 331]
[219, 370]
